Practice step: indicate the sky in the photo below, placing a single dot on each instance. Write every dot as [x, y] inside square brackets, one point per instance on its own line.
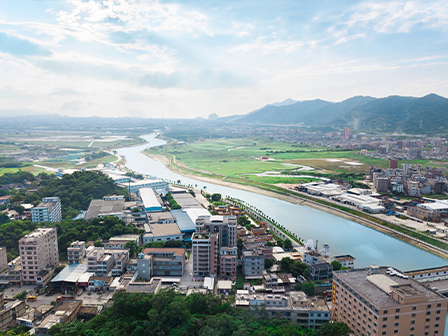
[165, 59]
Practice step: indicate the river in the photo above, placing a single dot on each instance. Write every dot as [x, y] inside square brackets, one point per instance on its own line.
[367, 245]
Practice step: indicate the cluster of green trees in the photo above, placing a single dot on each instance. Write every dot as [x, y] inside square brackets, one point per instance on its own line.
[172, 202]
[68, 231]
[17, 177]
[96, 155]
[169, 313]
[135, 175]
[169, 243]
[78, 189]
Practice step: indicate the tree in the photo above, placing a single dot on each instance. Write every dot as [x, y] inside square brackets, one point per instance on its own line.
[336, 265]
[134, 249]
[98, 243]
[286, 265]
[287, 244]
[20, 209]
[309, 288]
[268, 263]
[334, 328]
[216, 197]
[16, 198]
[173, 243]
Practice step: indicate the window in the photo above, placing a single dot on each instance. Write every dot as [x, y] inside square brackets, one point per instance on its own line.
[396, 331]
[397, 317]
[397, 310]
[396, 324]
[414, 314]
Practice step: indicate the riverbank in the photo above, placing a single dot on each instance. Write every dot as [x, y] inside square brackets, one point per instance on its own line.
[172, 165]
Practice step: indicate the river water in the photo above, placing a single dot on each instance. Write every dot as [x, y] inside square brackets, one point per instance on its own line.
[367, 245]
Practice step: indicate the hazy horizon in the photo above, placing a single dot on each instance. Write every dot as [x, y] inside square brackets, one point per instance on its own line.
[166, 59]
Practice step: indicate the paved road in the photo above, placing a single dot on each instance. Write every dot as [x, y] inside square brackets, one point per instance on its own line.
[186, 279]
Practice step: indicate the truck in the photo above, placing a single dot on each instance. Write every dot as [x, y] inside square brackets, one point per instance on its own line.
[64, 298]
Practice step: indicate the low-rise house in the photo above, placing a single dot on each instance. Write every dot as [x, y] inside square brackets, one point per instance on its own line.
[100, 283]
[346, 260]
[295, 306]
[64, 312]
[322, 271]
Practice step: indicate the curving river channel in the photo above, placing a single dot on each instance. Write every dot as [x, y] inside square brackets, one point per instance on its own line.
[367, 245]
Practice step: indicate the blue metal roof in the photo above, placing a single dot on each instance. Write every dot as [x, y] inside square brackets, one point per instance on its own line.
[184, 222]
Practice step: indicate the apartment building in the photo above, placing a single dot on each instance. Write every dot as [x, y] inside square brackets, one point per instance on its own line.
[224, 226]
[166, 261]
[204, 246]
[295, 306]
[49, 210]
[346, 260]
[228, 261]
[3, 259]
[144, 266]
[253, 264]
[38, 250]
[76, 252]
[12, 276]
[384, 301]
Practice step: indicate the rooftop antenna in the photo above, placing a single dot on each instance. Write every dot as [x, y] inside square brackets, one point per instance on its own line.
[316, 244]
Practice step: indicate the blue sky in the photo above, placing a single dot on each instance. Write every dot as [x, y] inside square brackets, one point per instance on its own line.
[193, 58]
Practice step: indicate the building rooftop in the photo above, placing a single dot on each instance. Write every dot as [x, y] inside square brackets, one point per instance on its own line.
[71, 273]
[183, 220]
[156, 217]
[377, 287]
[49, 205]
[167, 229]
[101, 207]
[62, 310]
[160, 250]
[149, 198]
[345, 257]
[186, 200]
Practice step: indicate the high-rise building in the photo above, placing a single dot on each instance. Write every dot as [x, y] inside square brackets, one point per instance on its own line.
[3, 259]
[393, 164]
[204, 246]
[224, 226]
[346, 133]
[253, 264]
[382, 301]
[406, 167]
[38, 250]
[49, 210]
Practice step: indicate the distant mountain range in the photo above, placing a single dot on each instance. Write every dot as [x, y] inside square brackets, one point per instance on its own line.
[426, 115]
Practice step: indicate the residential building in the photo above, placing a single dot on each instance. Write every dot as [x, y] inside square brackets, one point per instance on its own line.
[121, 261]
[406, 167]
[118, 242]
[13, 275]
[228, 261]
[49, 210]
[294, 306]
[3, 259]
[166, 261]
[9, 312]
[105, 264]
[393, 164]
[224, 226]
[100, 283]
[384, 301]
[64, 312]
[38, 250]
[312, 257]
[93, 257]
[253, 264]
[321, 271]
[162, 232]
[204, 246]
[346, 260]
[76, 252]
[109, 206]
[144, 266]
